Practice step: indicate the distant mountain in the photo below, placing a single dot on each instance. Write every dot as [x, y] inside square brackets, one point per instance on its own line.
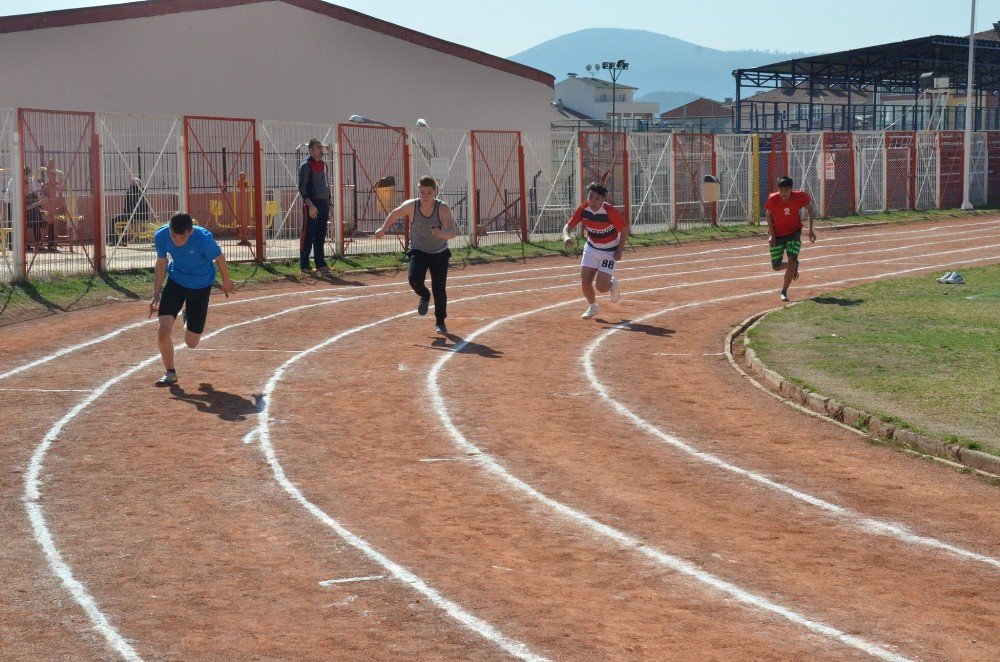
[656, 61]
[668, 100]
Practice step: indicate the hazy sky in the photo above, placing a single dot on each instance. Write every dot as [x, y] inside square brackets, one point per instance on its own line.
[506, 28]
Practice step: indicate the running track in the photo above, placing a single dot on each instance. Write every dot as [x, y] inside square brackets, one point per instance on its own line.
[334, 481]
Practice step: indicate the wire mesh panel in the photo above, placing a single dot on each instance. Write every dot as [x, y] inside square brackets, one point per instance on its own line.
[62, 221]
[11, 185]
[838, 174]
[870, 159]
[978, 169]
[284, 146]
[499, 201]
[552, 178]
[900, 170]
[951, 163]
[927, 170]
[805, 165]
[993, 168]
[694, 155]
[374, 180]
[651, 160]
[778, 162]
[221, 168]
[444, 155]
[604, 159]
[766, 176]
[141, 184]
[734, 163]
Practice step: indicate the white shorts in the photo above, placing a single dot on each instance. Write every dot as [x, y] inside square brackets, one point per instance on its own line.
[595, 258]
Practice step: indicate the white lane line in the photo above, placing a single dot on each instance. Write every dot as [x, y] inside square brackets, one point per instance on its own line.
[36, 515]
[32, 494]
[47, 390]
[888, 234]
[351, 580]
[628, 541]
[247, 351]
[399, 572]
[869, 524]
[625, 540]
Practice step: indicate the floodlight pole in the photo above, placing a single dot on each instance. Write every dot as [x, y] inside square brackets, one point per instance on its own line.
[970, 78]
[615, 70]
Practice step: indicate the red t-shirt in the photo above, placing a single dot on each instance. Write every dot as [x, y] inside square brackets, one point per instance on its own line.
[604, 226]
[785, 214]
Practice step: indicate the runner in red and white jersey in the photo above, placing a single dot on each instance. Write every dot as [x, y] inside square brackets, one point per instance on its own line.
[607, 231]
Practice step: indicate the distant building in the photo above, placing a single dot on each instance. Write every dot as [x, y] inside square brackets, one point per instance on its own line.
[592, 97]
[700, 116]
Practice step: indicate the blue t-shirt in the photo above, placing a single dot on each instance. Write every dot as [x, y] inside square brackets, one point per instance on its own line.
[193, 264]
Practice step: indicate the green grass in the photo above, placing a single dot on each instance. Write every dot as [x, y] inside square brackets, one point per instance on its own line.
[921, 355]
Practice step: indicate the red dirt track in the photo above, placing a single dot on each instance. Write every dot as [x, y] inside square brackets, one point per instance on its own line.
[492, 501]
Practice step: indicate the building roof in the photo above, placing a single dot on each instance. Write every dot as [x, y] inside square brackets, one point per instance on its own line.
[701, 107]
[149, 8]
[821, 94]
[600, 84]
[896, 66]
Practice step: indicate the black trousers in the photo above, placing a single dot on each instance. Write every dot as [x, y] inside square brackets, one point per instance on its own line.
[420, 262]
[314, 234]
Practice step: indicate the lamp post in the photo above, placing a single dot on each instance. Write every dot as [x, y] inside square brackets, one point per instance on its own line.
[615, 70]
[970, 79]
[422, 124]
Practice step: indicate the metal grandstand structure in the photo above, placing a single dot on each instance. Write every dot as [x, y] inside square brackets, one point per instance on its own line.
[882, 87]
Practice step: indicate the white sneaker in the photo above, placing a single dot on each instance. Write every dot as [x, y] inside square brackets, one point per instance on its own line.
[945, 277]
[590, 312]
[615, 292]
[784, 295]
[954, 278]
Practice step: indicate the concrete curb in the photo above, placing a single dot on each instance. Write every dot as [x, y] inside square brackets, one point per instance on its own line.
[862, 423]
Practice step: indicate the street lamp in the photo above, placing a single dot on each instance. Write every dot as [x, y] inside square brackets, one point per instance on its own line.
[360, 119]
[422, 124]
[614, 70]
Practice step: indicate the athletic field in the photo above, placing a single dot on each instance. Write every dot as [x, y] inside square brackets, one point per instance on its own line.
[333, 480]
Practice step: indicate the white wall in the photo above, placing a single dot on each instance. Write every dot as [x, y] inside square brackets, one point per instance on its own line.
[267, 61]
[580, 96]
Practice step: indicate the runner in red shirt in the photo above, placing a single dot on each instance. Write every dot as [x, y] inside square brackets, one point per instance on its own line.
[607, 230]
[784, 229]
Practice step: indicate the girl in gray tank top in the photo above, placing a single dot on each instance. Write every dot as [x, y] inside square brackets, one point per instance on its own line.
[421, 238]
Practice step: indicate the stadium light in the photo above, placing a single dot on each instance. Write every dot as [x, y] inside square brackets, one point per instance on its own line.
[361, 119]
[969, 82]
[614, 70]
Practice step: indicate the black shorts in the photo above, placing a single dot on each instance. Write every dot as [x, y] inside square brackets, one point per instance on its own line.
[195, 303]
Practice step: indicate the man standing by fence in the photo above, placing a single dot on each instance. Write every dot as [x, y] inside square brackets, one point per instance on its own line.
[314, 187]
[784, 229]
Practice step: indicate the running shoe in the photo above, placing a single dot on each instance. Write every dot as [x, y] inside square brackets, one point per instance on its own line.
[955, 279]
[590, 312]
[168, 379]
[616, 292]
[784, 295]
[441, 328]
[944, 279]
[422, 306]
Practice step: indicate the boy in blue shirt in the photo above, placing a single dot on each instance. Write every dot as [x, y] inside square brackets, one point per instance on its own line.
[191, 274]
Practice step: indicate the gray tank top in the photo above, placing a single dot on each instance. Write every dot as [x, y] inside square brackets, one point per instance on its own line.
[421, 238]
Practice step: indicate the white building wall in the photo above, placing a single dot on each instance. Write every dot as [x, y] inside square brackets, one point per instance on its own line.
[268, 60]
[581, 97]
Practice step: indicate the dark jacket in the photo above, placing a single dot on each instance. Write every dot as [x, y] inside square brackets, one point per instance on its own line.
[314, 184]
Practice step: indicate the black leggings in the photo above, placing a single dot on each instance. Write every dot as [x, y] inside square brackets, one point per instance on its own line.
[420, 262]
